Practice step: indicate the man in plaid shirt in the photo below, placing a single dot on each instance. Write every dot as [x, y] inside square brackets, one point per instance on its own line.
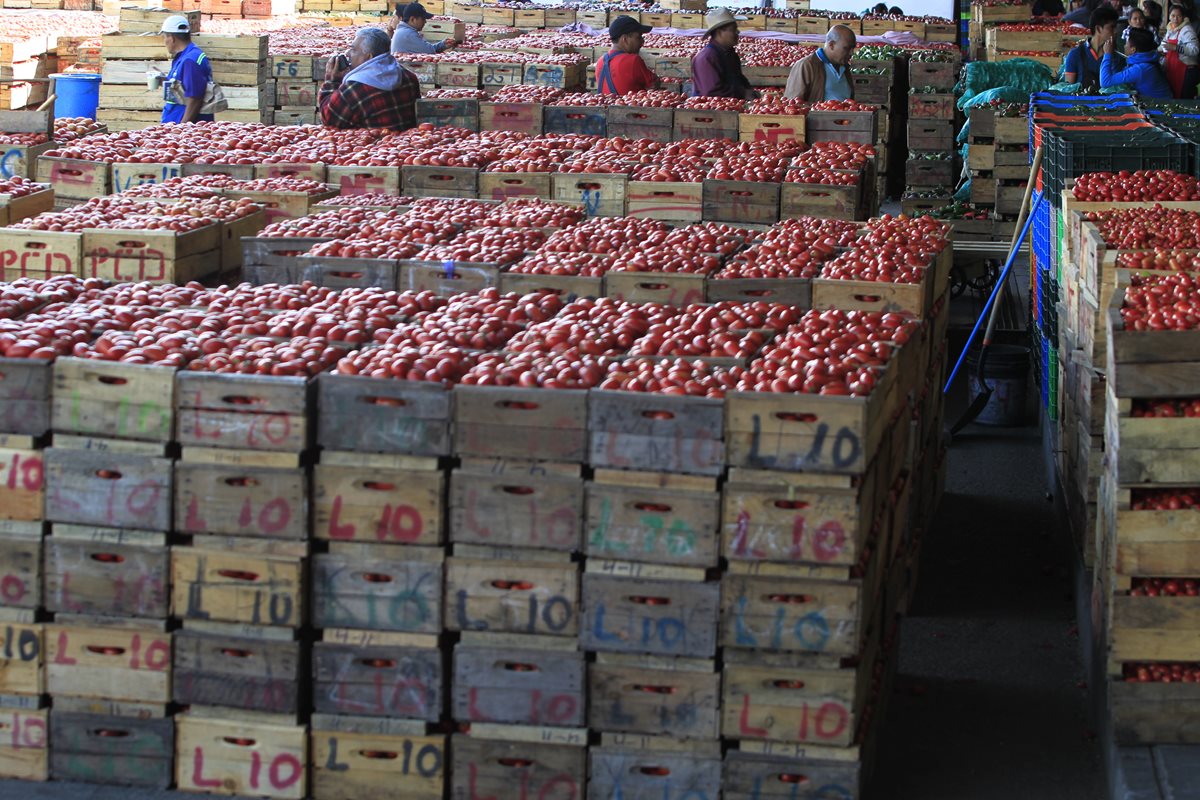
[369, 89]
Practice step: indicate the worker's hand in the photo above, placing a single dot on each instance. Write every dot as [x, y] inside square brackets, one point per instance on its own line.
[333, 69]
[1108, 46]
[451, 44]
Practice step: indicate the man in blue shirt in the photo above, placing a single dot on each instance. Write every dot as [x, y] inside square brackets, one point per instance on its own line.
[190, 67]
[1082, 64]
[1143, 72]
[408, 38]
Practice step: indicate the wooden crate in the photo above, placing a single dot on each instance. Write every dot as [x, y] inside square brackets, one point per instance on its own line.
[692, 769]
[773, 128]
[368, 415]
[362, 758]
[246, 412]
[378, 674]
[22, 484]
[24, 744]
[807, 432]
[568, 285]
[674, 201]
[230, 752]
[22, 659]
[518, 680]
[424, 181]
[24, 396]
[1159, 364]
[19, 208]
[291, 67]
[512, 422]
[107, 571]
[933, 106]
[21, 161]
[521, 118]
[447, 278]
[672, 288]
[788, 699]
[234, 499]
[227, 579]
[129, 662]
[238, 666]
[691, 123]
[560, 76]
[1153, 713]
[40, 254]
[75, 179]
[584, 120]
[517, 504]
[491, 759]
[933, 135]
[629, 430]
[743, 202]
[506, 185]
[653, 696]
[457, 113]
[108, 488]
[364, 180]
[515, 591]
[1149, 450]
[679, 67]
[652, 517]
[793, 291]
[602, 195]
[797, 517]
[748, 771]
[783, 609]
[457, 75]
[1151, 628]
[820, 200]
[385, 499]
[938, 74]
[1001, 130]
[21, 564]
[110, 749]
[348, 273]
[932, 173]
[1049, 40]
[378, 587]
[500, 73]
[636, 122]
[633, 609]
[842, 126]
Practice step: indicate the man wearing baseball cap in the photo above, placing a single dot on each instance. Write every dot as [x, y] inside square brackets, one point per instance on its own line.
[190, 67]
[408, 38]
[716, 69]
[621, 70]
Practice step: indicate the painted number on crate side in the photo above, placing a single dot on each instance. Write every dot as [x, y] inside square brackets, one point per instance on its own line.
[22, 645]
[400, 523]
[156, 657]
[426, 761]
[808, 631]
[22, 473]
[677, 537]
[823, 722]
[840, 448]
[554, 614]
[549, 526]
[558, 787]
[825, 543]
[283, 771]
[28, 733]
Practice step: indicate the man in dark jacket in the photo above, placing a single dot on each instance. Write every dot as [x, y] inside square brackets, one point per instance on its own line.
[716, 69]
[369, 89]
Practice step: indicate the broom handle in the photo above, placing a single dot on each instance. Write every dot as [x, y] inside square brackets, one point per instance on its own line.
[1018, 236]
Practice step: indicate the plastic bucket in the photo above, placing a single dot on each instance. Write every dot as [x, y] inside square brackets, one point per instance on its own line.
[1006, 370]
[77, 94]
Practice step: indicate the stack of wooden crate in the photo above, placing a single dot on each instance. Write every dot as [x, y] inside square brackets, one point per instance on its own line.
[239, 579]
[1146, 582]
[985, 15]
[109, 485]
[932, 125]
[24, 425]
[998, 158]
[294, 82]
[239, 64]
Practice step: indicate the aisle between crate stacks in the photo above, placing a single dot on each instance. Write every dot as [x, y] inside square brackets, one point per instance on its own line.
[1158, 623]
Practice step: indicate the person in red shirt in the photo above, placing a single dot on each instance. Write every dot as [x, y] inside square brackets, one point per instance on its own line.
[622, 70]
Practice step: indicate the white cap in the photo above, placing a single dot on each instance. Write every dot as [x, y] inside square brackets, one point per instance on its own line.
[176, 23]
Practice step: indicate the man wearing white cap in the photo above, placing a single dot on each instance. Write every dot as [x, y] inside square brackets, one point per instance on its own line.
[190, 67]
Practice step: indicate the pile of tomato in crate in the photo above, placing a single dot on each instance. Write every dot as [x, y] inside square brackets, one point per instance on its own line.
[262, 533]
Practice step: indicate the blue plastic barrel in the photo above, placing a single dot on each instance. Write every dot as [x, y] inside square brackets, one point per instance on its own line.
[78, 94]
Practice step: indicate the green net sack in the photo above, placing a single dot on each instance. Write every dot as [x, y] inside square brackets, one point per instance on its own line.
[1020, 76]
